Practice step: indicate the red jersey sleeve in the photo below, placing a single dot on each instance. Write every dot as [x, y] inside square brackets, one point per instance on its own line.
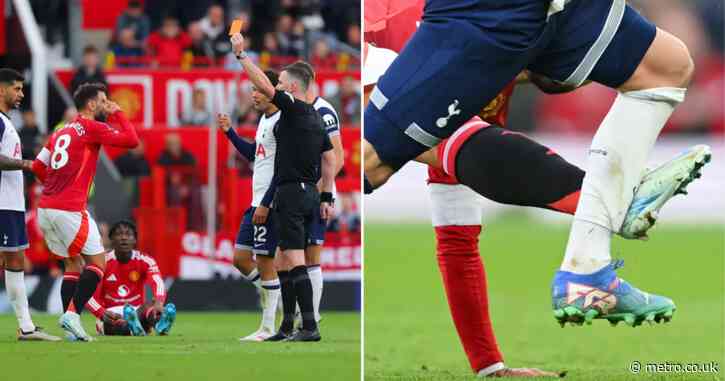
[102, 133]
[154, 279]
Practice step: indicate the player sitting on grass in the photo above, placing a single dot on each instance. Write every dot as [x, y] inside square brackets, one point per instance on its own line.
[119, 301]
[258, 233]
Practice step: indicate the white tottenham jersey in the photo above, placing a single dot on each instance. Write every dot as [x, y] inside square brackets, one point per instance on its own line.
[266, 147]
[11, 182]
[332, 123]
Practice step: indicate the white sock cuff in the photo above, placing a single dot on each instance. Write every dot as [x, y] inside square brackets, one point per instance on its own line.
[271, 284]
[671, 95]
[490, 369]
[252, 276]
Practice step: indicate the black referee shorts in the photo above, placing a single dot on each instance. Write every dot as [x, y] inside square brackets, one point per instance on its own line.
[295, 208]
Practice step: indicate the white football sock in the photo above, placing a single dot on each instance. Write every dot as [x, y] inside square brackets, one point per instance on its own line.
[254, 278]
[315, 274]
[15, 285]
[270, 298]
[617, 158]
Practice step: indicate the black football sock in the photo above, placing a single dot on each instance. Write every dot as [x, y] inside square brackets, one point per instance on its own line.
[303, 289]
[288, 301]
[509, 168]
[87, 284]
[68, 288]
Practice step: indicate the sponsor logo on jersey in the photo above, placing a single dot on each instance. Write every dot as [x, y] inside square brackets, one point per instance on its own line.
[134, 276]
[260, 151]
[452, 111]
[123, 290]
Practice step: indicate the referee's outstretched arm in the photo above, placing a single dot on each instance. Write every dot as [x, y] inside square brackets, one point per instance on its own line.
[256, 75]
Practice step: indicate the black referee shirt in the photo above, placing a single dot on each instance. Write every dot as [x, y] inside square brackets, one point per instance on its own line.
[301, 140]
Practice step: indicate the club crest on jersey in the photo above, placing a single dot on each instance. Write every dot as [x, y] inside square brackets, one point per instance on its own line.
[452, 111]
[260, 151]
[123, 291]
[134, 276]
[593, 297]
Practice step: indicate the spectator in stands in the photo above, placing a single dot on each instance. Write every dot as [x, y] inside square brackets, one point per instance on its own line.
[174, 153]
[353, 36]
[133, 17]
[322, 57]
[199, 114]
[133, 163]
[201, 47]
[90, 70]
[270, 45]
[182, 187]
[30, 135]
[69, 114]
[244, 112]
[347, 101]
[127, 50]
[214, 27]
[290, 39]
[167, 45]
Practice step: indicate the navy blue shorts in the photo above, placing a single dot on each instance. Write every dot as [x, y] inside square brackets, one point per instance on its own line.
[259, 239]
[316, 231]
[13, 234]
[466, 51]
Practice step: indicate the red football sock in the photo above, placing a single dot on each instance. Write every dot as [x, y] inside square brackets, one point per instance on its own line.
[464, 279]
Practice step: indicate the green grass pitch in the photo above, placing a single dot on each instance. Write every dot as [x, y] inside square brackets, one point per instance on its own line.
[409, 334]
[202, 346]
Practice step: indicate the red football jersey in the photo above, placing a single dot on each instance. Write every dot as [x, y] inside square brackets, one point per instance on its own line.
[67, 164]
[124, 283]
[389, 24]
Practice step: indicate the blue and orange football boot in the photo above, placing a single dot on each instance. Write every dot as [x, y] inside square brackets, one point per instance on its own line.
[579, 299]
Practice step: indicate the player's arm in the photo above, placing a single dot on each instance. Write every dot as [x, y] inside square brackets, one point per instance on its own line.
[40, 164]
[102, 133]
[328, 179]
[242, 146]
[95, 306]
[256, 75]
[154, 279]
[262, 211]
[10, 164]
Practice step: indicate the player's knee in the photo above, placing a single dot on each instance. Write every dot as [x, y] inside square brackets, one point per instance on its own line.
[457, 240]
[15, 261]
[243, 262]
[668, 64]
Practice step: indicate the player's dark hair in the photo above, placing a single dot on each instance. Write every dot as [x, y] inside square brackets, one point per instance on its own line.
[8, 76]
[90, 49]
[86, 92]
[304, 75]
[123, 223]
[272, 76]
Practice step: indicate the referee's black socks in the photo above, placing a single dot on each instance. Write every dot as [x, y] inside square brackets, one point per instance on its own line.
[288, 301]
[303, 289]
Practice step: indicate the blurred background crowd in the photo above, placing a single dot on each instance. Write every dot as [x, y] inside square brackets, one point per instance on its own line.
[699, 23]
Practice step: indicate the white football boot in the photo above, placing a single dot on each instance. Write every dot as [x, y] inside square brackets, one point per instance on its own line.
[71, 324]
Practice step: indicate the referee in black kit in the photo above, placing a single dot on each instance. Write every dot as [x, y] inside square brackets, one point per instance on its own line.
[304, 153]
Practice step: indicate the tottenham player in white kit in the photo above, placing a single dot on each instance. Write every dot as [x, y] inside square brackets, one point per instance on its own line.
[13, 234]
[257, 237]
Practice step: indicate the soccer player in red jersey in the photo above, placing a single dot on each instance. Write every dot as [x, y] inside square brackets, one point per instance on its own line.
[66, 167]
[119, 302]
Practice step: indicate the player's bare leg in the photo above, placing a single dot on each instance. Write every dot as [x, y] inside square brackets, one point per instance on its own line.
[14, 263]
[312, 260]
[268, 284]
[87, 283]
[616, 162]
